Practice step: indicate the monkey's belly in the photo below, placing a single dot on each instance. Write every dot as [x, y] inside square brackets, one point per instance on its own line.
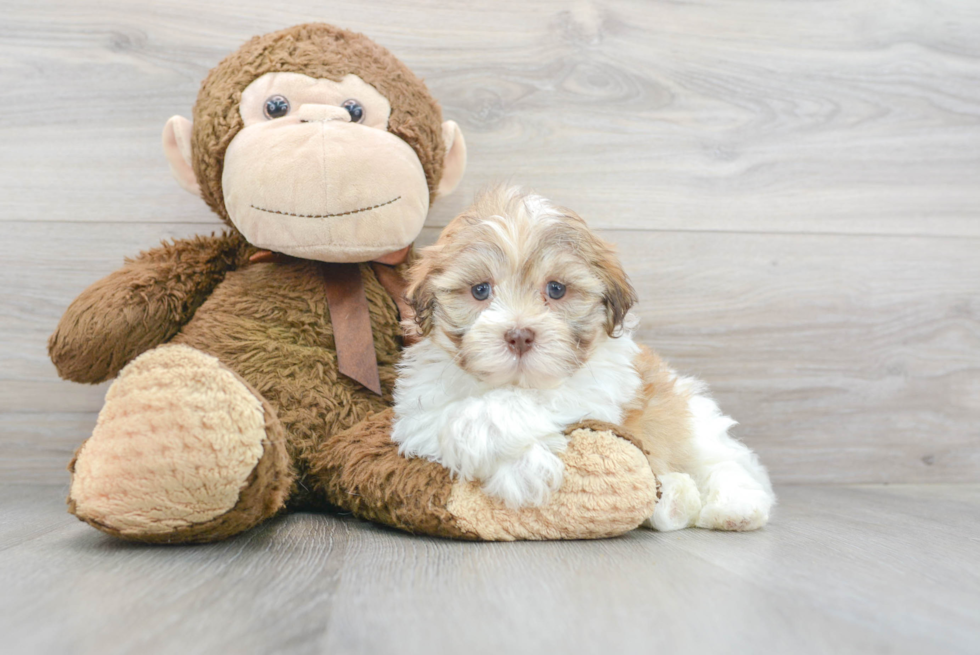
[270, 324]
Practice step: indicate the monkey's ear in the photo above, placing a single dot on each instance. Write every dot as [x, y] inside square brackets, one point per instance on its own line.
[454, 164]
[177, 148]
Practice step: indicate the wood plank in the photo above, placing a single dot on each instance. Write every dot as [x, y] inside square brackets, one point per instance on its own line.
[846, 359]
[737, 116]
[841, 569]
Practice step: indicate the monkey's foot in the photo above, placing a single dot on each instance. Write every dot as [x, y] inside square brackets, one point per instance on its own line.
[608, 488]
[183, 450]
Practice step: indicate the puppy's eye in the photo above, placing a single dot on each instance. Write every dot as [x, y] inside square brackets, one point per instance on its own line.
[355, 109]
[556, 290]
[481, 291]
[276, 107]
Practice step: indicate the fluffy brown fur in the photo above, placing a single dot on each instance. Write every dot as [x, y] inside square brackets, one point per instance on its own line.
[367, 475]
[321, 51]
[270, 323]
[143, 304]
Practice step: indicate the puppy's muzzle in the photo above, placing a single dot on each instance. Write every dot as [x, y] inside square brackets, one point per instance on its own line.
[519, 340]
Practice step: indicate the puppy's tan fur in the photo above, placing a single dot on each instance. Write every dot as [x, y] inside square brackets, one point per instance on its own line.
[524, 326]
[660, 415]
[498, 239]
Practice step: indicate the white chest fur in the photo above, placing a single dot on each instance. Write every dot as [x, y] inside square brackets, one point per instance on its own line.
[432, 392]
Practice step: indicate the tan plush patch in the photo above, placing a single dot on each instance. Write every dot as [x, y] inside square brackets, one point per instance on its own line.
[608, 489]
[312, 184]
[174, 445]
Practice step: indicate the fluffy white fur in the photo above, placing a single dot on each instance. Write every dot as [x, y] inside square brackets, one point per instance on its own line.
[506, 436]
[733, 485]
[489, 414]
[724, 486]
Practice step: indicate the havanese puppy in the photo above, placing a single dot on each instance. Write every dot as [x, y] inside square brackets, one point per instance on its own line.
[522, 315]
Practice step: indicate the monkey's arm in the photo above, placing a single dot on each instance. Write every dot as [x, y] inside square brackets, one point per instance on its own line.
[608, 487]
[141, 305]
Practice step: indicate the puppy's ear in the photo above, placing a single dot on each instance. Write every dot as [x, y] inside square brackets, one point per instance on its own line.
[420, 294]
[619, 296]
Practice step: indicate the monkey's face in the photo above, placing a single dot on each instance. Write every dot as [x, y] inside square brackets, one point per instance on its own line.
[315, 173]
[312, 168]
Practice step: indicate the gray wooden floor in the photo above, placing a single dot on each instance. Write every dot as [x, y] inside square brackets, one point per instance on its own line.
[856, 569]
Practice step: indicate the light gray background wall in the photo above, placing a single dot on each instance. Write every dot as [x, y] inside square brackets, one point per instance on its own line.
[794, 187]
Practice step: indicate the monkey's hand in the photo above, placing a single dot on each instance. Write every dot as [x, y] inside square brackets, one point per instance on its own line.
[142, 305]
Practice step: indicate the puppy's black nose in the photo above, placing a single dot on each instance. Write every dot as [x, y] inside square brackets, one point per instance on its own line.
[519, 340]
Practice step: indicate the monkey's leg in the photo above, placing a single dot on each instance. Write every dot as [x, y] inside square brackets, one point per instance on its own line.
[184, 451]
[608, 488]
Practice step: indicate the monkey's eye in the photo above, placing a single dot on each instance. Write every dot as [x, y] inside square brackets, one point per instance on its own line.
[556, 290]
[276, 107]
[355, 109]
[481, 291]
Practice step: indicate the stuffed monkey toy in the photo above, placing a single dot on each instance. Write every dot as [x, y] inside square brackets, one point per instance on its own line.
[253, 370]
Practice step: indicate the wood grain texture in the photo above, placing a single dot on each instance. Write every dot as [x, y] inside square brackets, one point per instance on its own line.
[844, 358]
[794, 190]
[824, 117]
[840, 570]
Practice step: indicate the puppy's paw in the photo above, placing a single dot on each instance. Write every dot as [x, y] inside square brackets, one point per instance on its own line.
[527, 481]
[740, 510]
[679, 504]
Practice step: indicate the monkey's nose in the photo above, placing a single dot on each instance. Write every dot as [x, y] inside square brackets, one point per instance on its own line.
[309, 112]
[519, 340]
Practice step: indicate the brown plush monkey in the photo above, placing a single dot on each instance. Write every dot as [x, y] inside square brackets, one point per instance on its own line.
[254, 369]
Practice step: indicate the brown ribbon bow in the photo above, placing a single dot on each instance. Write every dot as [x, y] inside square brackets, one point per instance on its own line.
[349, 311]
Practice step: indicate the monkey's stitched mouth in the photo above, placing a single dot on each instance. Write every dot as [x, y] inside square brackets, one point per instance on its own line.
[353, 211]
